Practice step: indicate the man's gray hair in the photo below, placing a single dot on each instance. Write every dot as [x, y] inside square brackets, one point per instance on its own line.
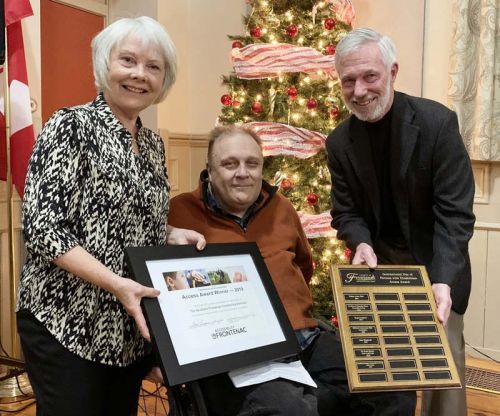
[228, 130]
[149, 32]
[361, 36]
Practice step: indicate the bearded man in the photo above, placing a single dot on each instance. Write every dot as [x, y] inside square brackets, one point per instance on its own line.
[402, 187]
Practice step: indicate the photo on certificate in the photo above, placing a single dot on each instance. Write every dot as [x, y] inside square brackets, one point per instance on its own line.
[218, 309]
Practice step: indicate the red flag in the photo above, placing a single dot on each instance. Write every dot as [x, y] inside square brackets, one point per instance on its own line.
[3, 145]
[22, 135]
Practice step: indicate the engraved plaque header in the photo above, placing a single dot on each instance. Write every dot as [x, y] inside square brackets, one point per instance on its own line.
[381, 276]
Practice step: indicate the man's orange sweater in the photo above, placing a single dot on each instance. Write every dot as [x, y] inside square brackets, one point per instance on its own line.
[275, 227]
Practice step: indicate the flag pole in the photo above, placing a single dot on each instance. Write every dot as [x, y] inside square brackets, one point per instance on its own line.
[10, 213]
[19, 136]
[14, 382]
[14, 385]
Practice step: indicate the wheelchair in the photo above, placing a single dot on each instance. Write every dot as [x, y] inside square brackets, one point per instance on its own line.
[187, 399]
[162, 400]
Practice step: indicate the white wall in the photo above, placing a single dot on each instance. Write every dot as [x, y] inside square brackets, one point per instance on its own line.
[403, 22]
[481, 319]
[199, 29]
[437, 46]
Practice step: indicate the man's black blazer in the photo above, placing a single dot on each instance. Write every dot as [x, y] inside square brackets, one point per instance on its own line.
[432, 185]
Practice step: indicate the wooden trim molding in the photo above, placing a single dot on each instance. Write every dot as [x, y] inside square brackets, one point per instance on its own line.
[4, 220]
[487, 226]
[185, 140]
[196, 140]
[185, 136]
[94, 6]
[173, 173]
[481, 172]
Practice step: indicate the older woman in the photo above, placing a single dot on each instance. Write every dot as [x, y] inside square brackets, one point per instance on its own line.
[96, 183]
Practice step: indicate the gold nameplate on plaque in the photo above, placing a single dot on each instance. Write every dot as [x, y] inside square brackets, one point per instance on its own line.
[391, 337]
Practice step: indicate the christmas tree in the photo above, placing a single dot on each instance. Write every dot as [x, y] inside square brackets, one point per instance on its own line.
[285, 88]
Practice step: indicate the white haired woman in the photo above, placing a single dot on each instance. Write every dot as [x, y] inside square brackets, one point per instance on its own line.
[96, 184]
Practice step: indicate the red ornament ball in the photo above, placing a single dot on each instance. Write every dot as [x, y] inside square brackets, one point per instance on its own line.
[334, 321]
[257, 107]
[292, 30]
[311, 103]
[286, 184]
[226, 99]
[334, 112]
[236, 44]
[329, 24]
[330, 49]
[312, 199]
[235, 103]
[256, 32]
[348, 253]
[292, 93]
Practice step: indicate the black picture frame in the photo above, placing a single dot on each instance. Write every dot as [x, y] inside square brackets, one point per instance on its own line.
[145, 264]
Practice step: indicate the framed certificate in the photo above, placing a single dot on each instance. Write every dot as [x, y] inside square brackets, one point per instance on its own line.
[218, 309]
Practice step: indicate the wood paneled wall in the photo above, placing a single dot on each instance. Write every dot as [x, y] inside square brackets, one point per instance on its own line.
[186, 158]
[481, 318]
[6, 276]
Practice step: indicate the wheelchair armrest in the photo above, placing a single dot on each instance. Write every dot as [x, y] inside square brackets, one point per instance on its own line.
[325, 325]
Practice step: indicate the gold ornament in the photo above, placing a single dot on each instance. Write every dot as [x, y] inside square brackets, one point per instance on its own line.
[272, 21]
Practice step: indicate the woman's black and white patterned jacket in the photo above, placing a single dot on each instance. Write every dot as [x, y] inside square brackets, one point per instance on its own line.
[85, 186]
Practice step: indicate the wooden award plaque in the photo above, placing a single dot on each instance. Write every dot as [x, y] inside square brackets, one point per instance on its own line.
[391, 337]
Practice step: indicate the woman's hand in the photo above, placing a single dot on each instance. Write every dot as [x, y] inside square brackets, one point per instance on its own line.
[130, 293]
[176, 236]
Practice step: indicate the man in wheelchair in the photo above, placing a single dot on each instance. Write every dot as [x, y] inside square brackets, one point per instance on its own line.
[234, 204]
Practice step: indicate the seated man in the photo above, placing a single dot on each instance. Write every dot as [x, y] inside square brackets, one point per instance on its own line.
[234, 204]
